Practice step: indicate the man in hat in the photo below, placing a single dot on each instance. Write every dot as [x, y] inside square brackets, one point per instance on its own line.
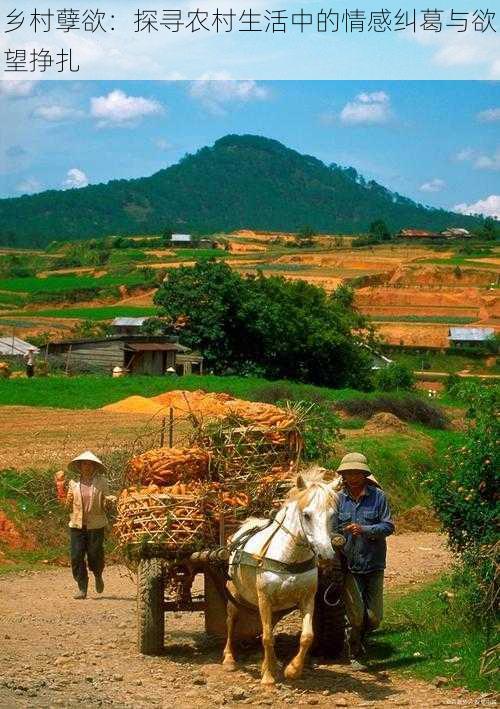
[364, 518]
[88, 497]
[29, 358]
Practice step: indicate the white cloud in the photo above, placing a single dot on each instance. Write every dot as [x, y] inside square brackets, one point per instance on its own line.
[465, 154]
[9, 87]
[162, 144]
[435, 185]
[216, 90]
[490, 207]
[367, 108]
[29, 186]
[489, 116]
[55, 113]
[121, 110]
[471, 48]
[479, 160]
[75, 179]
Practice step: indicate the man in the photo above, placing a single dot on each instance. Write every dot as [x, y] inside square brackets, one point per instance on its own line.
[29, 358]
[88, 498]
[364, 518]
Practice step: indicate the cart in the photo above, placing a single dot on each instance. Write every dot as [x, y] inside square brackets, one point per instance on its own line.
[165, 584]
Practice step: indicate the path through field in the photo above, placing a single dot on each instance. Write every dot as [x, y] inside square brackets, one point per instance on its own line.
[55, 651]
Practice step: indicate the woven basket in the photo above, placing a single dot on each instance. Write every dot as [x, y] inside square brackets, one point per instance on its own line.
[174, 523]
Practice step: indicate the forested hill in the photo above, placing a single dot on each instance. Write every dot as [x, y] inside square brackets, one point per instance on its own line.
[240, 182]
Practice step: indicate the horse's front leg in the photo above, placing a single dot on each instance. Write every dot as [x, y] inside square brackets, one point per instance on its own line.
[269, 665]
[295, 667]
[228, 660]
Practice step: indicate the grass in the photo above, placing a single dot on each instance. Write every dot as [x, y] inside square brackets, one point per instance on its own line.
[94, 391]
[447, 320]
[56, 284]
[400, 462]
[97, 313]
[438, 362]
[420, 633]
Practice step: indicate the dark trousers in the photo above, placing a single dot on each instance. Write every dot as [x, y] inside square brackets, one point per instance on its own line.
[30, 370]
[86, 543]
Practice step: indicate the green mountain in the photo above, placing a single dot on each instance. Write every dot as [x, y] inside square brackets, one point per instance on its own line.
[242, 181]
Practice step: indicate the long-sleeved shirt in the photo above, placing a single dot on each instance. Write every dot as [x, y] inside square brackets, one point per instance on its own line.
[366, 552]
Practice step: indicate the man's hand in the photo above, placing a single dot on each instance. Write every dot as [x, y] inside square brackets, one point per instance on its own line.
[354, 529]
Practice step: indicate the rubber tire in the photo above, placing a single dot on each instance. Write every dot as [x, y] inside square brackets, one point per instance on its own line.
[150, 607]
[329, 623]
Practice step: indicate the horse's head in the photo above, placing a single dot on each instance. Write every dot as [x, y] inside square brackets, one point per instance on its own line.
[316, 502]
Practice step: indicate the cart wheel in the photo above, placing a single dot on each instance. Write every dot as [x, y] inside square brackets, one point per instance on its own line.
[150, 607]
[329, 615]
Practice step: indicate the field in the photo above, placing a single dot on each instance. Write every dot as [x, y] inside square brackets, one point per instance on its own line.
[412, 293]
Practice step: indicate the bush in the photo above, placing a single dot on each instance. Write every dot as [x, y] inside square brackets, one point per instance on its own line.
[321, 431]
[393, 377]
[405, 407]
[464, 491]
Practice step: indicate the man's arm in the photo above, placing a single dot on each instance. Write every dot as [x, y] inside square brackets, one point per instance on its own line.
[385, 526]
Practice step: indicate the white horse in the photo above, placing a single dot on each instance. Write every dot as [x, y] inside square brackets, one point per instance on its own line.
[275, 568]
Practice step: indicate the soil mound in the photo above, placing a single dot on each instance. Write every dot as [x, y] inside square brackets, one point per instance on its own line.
[417, 519]
[135, 405]
[11, 536]
[384, 422]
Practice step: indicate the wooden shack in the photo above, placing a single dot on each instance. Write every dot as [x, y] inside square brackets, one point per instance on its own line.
[139, 354]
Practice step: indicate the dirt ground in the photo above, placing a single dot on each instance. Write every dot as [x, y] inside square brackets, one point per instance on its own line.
[56, 651]
[42, 437]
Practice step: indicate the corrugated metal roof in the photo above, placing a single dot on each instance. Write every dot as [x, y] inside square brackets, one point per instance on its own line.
[181, 237]
[470, 334]
[14, 346]
[129, 322]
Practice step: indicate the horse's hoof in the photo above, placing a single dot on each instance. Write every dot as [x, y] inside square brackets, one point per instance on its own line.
[268, 681]
[292, 672]
[229, 665]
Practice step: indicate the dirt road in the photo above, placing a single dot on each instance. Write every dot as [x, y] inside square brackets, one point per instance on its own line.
[55, 651]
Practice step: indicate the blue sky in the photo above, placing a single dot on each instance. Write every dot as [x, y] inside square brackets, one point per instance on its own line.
[436, 142]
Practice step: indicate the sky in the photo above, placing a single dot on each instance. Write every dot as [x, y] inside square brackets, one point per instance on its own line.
[437, 142]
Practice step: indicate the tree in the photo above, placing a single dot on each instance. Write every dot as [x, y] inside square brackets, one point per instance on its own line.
[380, 231]
[393, 377]
[304, 236]
[285, 329]
[167, 236]
[490, 229]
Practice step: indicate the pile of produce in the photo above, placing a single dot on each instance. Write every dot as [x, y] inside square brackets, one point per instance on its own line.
[166, 466]
[184, 497]
[4, 370]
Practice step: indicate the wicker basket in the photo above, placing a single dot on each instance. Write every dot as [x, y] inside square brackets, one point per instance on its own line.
[172, 522]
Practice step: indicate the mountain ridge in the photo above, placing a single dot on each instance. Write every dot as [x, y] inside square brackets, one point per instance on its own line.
[241, 181]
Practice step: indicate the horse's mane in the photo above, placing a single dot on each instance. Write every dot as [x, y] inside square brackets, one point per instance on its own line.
[313, 476]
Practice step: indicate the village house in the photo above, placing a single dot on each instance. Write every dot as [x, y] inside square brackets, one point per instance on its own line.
[134, 353]
[467, 336]
[418, 234]
[11, 346]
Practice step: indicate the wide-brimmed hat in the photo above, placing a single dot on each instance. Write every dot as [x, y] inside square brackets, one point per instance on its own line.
[74, 466]
[354, 461]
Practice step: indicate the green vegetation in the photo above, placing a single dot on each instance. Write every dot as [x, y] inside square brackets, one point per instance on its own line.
[58, 284]
[394, 377]
[94, 391]
[464, 489]
[445, 319]
[97, 313]
[421, 636]
[265, 326]
[439, 362]
[283, 191]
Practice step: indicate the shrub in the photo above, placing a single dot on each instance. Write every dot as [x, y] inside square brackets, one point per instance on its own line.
[393, 377]
[464, 491]
[321, 431]
[406, 407]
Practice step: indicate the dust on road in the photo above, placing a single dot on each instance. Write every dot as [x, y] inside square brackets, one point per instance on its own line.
[55, 651]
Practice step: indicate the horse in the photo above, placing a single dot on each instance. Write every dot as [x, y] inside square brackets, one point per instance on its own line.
[273, 567]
